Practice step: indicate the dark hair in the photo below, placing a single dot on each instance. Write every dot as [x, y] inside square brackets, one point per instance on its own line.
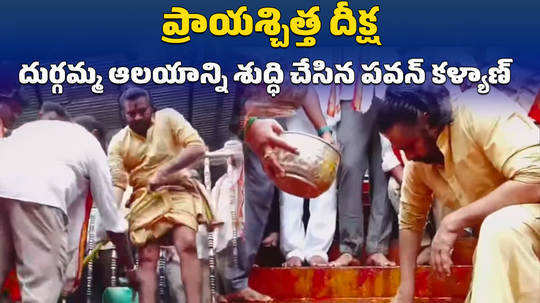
[133, 93]
[13, 99]
[91, 124]
[57, 108]
[404, 104]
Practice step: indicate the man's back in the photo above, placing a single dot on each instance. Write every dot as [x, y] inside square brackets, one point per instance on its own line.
[46, 162]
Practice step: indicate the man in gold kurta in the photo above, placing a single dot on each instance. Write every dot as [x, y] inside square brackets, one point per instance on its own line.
[152, 154]
[482, 162]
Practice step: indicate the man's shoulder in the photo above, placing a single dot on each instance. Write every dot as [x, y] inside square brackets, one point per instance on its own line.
[51, 129]
[471, 105]
[167, 112]
[169, 116]
[477, 120]
[119, 136]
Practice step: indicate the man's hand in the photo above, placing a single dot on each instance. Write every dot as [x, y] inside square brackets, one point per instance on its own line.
[160, 178]
[123, 248]
[263, 138]
[327, 136]
[271, 240]
[157, 180]
[442, 246]
[134, 281]
[172, 172]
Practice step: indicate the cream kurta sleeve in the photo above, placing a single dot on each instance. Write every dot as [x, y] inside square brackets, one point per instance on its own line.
[101, 188]
[511, 142]
[416, 198]
[116, 161]
[184, 133]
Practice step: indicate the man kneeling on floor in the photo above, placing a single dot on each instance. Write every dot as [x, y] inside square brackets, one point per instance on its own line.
[482, 162]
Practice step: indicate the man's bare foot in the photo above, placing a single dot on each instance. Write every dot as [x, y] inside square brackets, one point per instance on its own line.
[317, 261]
[345, 260]
[423, 256]
[293, 262]
[271, 240]
[248, 295]
[378, 259]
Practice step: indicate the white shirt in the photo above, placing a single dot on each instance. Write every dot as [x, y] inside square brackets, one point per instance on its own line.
[55, 163]
[323, 91]
[389, 159]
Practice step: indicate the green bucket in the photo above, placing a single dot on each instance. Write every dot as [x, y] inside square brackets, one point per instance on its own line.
[119, 295]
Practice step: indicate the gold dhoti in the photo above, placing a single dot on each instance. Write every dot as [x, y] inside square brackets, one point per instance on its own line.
[506, 262]
[154, 213]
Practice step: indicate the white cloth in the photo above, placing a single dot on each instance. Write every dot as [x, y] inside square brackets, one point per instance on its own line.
[317, 237]
[389, 159]
[223, 205]
[55, 163]
[222, 200]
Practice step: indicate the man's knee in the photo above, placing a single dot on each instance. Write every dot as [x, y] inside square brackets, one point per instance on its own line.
[148, 257]
[186, 240]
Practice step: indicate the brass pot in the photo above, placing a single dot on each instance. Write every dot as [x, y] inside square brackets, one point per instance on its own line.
[313, 170]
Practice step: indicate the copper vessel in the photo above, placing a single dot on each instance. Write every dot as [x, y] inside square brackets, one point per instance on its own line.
[313, 170]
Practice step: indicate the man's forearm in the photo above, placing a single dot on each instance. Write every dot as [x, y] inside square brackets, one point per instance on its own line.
[508, 193]
[118, 196]
[184, 159]
[409, 243]
[312, 107]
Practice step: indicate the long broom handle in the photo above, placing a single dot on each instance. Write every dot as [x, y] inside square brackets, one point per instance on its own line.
[211, 248]
[91, 243]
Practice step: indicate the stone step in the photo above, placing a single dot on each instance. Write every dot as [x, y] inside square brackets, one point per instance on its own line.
[355, 282]
[463, 253]
[371, 300]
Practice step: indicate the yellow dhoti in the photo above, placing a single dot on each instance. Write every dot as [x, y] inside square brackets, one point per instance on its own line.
[507, 257]
[154, 214]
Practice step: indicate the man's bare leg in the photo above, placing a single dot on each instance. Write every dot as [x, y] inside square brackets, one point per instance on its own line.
[345, 259]
[423, 256]
[248, 295]
[184, 241]
[379, 259]
[148, 257]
